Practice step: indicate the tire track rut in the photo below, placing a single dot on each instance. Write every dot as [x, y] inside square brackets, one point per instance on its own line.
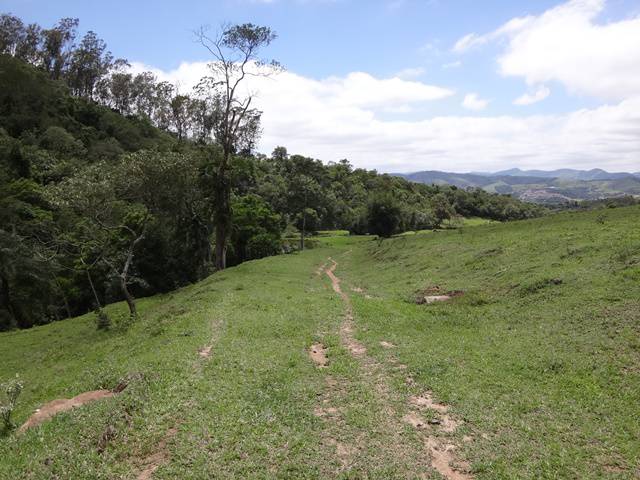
[436, 434]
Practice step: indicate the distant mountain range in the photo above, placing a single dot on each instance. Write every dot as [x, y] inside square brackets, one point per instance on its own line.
[540, 186]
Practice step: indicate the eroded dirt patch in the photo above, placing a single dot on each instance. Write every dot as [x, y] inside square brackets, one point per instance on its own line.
[442, 454]
[443, 461]
[320, 269]
[386, 344]
[54, 407]
[205, 352]
[414, 420]
[426, 401]
[157, 458]
[434, 294]
[317, 353]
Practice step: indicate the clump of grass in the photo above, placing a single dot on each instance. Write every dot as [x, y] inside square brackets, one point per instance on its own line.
[11, 391]
[538, 285]
[476, 299]
[103, 322]
[628, 255]
[485, 254]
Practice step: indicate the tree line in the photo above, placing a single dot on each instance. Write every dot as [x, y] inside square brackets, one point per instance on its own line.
[107, 200]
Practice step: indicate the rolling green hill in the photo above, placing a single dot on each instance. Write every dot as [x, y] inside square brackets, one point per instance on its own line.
[529, 371]
[554, 187]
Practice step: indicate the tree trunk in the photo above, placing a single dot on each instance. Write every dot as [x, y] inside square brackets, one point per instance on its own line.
[93, 289]
[223, 213]
[304, 225]
[124, 275]
[127, 296]
[221, 246]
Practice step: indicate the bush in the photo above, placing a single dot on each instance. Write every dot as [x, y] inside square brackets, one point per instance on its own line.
[103, 322]
[11, 390]
[263, 245]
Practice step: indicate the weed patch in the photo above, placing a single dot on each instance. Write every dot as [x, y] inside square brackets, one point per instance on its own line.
[538, 285]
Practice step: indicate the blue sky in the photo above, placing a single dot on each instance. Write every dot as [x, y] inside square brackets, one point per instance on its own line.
[335, 49]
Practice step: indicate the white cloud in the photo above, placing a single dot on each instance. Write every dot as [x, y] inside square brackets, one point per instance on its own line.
[566, 44]
[469, 41]
[473, 40]
[530, 98]
[408, 73]
[357, 89]
[473, 102]
[339, 117]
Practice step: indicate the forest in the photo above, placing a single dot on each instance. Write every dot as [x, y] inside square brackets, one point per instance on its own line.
[114, 185]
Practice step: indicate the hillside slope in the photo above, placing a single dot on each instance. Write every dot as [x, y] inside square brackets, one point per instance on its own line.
[530, 373]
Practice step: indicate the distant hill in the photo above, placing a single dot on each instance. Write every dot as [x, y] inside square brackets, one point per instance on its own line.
[540, 186]
[565, 173]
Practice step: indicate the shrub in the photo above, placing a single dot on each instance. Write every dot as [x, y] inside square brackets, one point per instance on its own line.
[11, 390]
[103, 322]
[263, 245]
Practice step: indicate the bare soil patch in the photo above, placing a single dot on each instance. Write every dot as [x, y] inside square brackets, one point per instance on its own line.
[442, 459]
[434, 294]
[441, 453]
[426, 401]
[414, 420]
[54, 407]
[317, 353]
[158, 458]
[205, 352]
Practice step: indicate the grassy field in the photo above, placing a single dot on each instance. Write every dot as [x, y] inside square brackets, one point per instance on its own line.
[538, 361]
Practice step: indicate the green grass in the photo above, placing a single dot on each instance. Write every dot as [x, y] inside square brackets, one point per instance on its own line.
[333, 233]
[547, 370]
[539, 357]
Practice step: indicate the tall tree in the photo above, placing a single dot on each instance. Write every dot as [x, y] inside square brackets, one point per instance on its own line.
[29, 47]
[236, 52]
[57, 46]
[181, 114]
[144, 94]
[12, 33]
[89, 62]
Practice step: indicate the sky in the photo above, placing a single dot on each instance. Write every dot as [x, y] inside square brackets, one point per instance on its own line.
[409, 85]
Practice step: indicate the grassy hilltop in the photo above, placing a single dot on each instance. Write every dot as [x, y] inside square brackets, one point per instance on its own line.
[537, 361]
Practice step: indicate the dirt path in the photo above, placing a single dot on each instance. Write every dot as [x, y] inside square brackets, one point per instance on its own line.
[435, 435]
[346, 328]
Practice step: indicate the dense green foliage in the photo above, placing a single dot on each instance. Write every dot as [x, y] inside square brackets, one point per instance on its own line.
[541, 374]
[99, 204]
